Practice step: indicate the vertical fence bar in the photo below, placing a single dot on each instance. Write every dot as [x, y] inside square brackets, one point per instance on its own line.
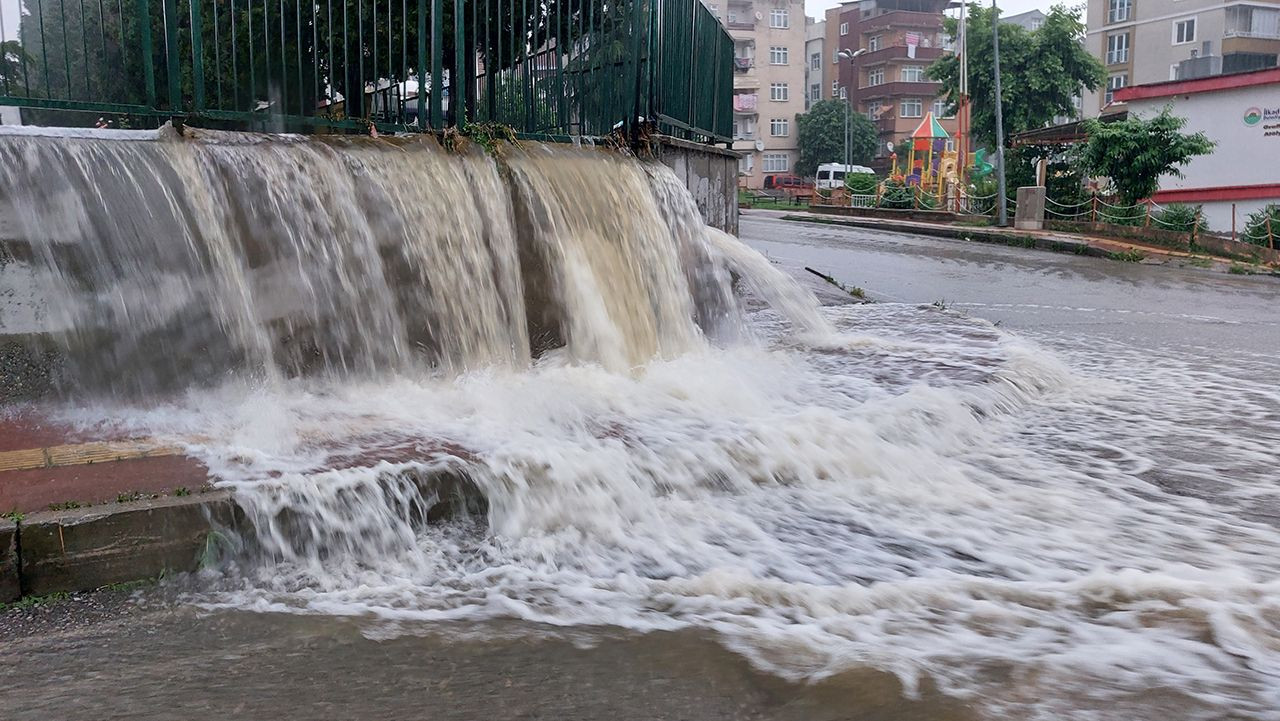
[360, 58]
[297, 39]
[373, 61]
[458, 82]
[197, 56]
[171, 54]
[266, 56]
[217, 55]
[437, 64]
[315, 58]
[422, 64]
[84, 48]
[3, 54]
[148, 58]
[284, 65]
[489, 68]
[66, 51]
[102, 40]
[44, 48]
[253, 68]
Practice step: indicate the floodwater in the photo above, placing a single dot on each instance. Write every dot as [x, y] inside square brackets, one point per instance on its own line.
[1052, 496]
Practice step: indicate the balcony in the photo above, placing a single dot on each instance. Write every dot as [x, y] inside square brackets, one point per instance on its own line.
[899, 52]
[895, 89]
[746, 103]
[742, 65]
[901, 19]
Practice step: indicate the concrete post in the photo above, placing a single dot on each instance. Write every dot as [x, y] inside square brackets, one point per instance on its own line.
[1030, 210]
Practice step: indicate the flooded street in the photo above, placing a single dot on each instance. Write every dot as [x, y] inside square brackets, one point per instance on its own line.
[1052, 494]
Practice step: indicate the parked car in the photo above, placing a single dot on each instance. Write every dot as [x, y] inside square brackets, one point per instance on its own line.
[786, 182]
[831, 175]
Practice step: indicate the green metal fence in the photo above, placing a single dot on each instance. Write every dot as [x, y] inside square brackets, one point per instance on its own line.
[547, 68]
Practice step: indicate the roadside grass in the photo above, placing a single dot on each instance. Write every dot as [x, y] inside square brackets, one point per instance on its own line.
[1132, 255]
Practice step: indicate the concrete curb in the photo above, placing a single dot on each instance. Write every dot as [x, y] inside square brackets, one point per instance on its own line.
[981, 235]
[10, 585]
[88, 548]
[84, 549]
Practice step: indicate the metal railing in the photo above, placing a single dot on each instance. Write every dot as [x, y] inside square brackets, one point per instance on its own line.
[554, 68]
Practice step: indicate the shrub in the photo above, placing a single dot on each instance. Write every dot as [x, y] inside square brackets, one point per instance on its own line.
[1255, 230]
[897, 194]
[861, 183]
[1179, 217]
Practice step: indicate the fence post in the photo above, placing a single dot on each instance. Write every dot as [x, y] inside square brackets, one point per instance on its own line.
[197, 57]
[148, 60]
[171, 54]
[1147, 223]
[1093, 217]
[422, 65]
[1271, 240]
[457, 79]
[1195, 228]
[1233, 222]
[437, 65]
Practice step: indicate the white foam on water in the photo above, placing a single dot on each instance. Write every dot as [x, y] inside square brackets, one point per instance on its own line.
[932, 497]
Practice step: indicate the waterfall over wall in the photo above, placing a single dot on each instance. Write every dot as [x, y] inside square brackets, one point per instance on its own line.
[169, 259]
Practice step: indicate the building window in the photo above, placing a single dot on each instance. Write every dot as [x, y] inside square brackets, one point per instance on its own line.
[835, 88]
[779, 92]
[875, 77]
[1036, 24]
[777, 162]
[844, 29]
[779, 19]
[912, 74]
[778, 55]
[844, 93]
[911, 108]
[746, 163]
[873, 110]
[1184, 31]
[942, 109]
[873, 43]
[1117, 48]
[1115, 82]
[1120, 10]
[779, 127]
[815, 61]
[815, 92]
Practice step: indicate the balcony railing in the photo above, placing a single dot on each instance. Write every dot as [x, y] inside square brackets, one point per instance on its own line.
[1258, 34]
[742, 65]
[736, 24]
[902, 19]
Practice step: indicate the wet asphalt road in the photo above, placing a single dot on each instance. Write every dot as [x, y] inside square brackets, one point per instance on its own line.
[1185, 309]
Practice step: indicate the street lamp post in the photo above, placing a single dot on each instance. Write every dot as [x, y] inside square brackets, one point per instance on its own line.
[1003, 216]
[849, 55]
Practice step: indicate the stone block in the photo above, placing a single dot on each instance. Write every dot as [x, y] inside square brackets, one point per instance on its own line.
[87, 548]
[1030, 211]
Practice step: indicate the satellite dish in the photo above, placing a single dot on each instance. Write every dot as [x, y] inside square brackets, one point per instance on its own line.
[889, 146]
[759, 15]
[759, 145]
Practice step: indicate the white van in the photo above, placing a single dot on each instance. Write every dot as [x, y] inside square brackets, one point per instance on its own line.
[831, 175]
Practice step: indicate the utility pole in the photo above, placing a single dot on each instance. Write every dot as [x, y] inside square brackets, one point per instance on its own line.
[849, 55]
[1003, 218]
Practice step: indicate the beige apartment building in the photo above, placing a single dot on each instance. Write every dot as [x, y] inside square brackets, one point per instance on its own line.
[1150, 41]
[768, 82]
[887, 83]
[815, 39]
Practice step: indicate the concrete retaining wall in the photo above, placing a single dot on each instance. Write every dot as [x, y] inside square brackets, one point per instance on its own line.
[84, 549]
[928, 216]
[10, 587]
[710, 174]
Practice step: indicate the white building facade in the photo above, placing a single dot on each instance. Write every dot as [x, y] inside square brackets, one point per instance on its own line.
[1239, 112]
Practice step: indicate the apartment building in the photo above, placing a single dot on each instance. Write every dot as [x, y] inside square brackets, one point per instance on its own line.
[887, 83]
[1150, 41]
[815, 39]
[768, 82]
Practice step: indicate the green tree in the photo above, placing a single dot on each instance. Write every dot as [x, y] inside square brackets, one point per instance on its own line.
[1134, 153]
[1042, 71]
[821, 137]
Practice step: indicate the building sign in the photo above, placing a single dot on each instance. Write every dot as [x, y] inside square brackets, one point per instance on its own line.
[1268, 118]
